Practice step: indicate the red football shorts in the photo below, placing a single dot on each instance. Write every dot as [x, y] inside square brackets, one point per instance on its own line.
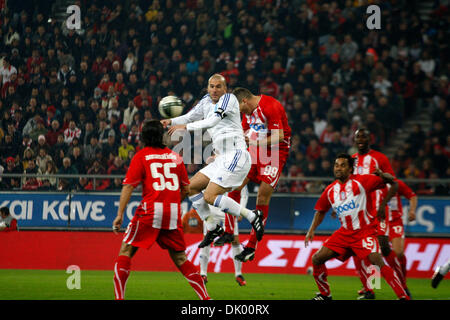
[382, 227]
[268, 169]
[140, 233]
[346, 243]
[396, 229]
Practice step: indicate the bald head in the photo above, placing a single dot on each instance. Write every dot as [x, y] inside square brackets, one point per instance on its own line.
[217, 87]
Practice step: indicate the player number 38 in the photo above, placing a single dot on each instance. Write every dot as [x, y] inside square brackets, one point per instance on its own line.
[167, 180]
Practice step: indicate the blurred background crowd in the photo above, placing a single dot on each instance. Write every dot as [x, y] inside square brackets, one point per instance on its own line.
[72, 101]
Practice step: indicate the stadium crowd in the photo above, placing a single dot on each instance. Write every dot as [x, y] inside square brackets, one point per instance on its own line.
[72, 101]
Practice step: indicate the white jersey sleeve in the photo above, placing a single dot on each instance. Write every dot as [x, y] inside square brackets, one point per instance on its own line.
[221, 110]
[195, 114]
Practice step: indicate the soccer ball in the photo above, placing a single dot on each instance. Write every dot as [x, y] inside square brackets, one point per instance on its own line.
[170, 107]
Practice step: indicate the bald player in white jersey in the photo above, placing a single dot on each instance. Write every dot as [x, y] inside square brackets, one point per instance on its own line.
[219, 113]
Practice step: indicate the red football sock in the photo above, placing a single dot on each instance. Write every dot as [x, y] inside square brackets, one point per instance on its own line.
[395, 264]
[362, 272]
[392, 279]
[192, 275]
[252, 240]
[121, 273]
[402, 260]
[320, 274]
[230, 219]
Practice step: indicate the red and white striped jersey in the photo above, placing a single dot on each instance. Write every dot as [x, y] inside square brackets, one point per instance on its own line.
[351, 200]
[367, 163]
[162, 174]
[269, 115]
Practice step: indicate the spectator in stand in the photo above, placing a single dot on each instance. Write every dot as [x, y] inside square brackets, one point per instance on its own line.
[124, 149]
[71, 132]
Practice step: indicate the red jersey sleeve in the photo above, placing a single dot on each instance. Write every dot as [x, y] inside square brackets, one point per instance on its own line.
[136, 172]
[385, 165]
[323, 204]
[370, 182]
[182, 173]
[404, 190]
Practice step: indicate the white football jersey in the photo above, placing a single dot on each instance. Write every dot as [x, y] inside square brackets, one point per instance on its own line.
[221, 119]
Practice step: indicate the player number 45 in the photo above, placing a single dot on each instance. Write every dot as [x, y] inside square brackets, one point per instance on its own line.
[368, 243]
[167, 179]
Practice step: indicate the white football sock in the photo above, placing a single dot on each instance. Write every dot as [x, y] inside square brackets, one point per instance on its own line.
[200, 205]
[236, 248]
[204, 260]
[444, 268]
[228, 205]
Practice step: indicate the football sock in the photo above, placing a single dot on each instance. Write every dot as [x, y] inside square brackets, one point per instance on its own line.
[395, 264]
[204, 260]
[320, 274]
[252, 240]
[392, 279]
[229, 219]
[200, 205]
[190, 272]
[444, 268]
[236, 249]
[121, 273]
[402, 260]
[361, 269]
[228, 205]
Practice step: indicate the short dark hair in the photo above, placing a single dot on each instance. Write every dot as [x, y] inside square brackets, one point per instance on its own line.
[242, 93]
[5, 211]
[152, 134]
[349, 158]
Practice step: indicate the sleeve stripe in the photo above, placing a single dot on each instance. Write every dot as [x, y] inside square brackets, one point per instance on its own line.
[225, 101]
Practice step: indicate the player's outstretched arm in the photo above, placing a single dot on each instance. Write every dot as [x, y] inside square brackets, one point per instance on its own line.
[125, 196]
[412, 208]
[391, 193]
[317, 220]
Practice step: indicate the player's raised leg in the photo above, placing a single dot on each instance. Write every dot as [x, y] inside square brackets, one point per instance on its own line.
[229, 222]
[262, 204]
[215, 195]
[198, 183]
[439, 274]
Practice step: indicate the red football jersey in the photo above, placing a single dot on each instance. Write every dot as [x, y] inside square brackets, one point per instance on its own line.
[351, 200]
[269, 115]
[162, 173]
[367, 163]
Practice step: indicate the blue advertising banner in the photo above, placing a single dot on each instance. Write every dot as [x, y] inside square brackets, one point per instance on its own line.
[287, 213]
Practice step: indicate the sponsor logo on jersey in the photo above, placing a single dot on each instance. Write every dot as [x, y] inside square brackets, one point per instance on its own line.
[347, 207]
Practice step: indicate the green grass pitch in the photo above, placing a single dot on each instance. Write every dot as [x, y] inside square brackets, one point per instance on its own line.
[98, 285]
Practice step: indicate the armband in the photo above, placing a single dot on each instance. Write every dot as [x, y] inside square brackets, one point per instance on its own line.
[221, 113]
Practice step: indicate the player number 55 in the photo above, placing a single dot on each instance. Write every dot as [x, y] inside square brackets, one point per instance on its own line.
[165, 177]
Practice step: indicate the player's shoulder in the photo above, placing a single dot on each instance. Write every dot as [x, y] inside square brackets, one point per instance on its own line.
[330, 186]
[377, 154]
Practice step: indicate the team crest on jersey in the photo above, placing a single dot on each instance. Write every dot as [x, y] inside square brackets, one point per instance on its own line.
[360, 170]
[343, 195]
